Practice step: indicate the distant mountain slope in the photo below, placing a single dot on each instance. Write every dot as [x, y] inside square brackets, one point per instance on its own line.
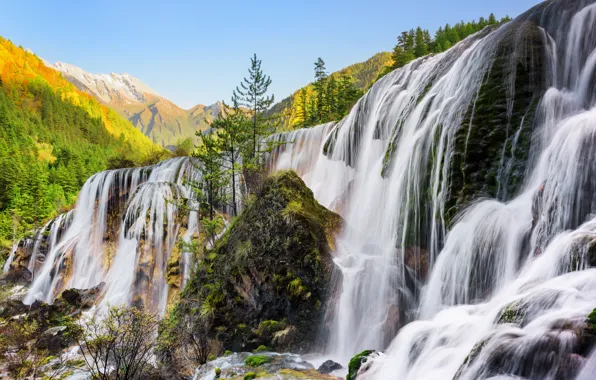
[364, 73]
[53, 137]
[157, 117]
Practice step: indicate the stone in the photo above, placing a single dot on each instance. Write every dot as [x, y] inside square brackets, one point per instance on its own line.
[83, 298]
[54, 339]
[329, 366]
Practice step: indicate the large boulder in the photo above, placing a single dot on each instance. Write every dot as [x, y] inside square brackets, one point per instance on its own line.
[329, 366]
[82, 298]
[267, 280]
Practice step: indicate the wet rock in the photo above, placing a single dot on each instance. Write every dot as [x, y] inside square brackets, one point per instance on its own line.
[54, 339]
[83, 298]
[358, 364]
[18, 275]
[269, 364]
[285, 337]
[329, 366]
[12, 304]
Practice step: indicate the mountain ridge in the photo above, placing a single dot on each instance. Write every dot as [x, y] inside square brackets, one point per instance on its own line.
[160, 119]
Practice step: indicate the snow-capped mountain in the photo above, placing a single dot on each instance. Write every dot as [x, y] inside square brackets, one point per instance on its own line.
[157, 117]
[108, 88]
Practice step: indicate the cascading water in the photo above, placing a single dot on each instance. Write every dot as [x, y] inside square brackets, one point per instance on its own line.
[123, 231]
[507, 114]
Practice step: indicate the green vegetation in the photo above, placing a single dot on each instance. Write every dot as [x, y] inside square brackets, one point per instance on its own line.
[261, 348]
[252, 94]
[242, 295]
[52, 138]
[329, 99]
[497, 129]
[417, 43]
[250, 376]
[119, 344]
[256, 360]
[356, 362]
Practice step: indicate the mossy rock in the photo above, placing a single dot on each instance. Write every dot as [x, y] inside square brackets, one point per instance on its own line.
[261, 348]
[513, 313]
[250, 376]
[256, 360]
[356, 362]
[270, 271]
[492, 146]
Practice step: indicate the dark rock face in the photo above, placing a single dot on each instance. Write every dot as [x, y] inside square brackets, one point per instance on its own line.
[83, 298]
[267, 279]
[18, 275]
[493, 143]
[329, 366]
[54, 339]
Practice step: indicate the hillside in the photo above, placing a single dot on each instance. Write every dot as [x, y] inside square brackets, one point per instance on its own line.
[157, 117]
[363, 74]
[52, 138]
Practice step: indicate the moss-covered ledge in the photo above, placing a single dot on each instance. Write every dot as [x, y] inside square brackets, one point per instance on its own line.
[267, 279]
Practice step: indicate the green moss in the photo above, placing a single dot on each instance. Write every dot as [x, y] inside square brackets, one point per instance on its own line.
[217, 371]
[592, 322]
[492, 146]
[513, 313]
[211, 357]
[356, 362]
[261, 348]
[228, 353]
[269, 327]
[272, 263]
[250, 376]
[256, 360]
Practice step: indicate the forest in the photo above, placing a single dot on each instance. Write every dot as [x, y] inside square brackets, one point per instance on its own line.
[53, 138]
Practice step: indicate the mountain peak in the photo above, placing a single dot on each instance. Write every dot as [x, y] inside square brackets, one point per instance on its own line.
[109, 88]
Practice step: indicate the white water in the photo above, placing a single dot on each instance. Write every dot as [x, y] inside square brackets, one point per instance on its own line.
[140, 206]
[531, 249]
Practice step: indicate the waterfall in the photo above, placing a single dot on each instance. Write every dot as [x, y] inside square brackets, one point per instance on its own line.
[122, 232]
[466, 182]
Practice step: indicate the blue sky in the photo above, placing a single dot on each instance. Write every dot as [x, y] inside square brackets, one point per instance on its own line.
[197, 52]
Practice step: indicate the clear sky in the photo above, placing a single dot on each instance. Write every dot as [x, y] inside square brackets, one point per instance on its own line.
[197, 51]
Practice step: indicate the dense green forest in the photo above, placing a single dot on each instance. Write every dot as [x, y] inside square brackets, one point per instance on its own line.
[417, 43]
[304, 107]
[52, 138]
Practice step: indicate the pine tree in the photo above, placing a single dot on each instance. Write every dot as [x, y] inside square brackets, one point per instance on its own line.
[332, 98]
[320, 79]
[252, 94]
[212, 175]
[302, 108]
[233, 133]
[492, 20]
[421, 48]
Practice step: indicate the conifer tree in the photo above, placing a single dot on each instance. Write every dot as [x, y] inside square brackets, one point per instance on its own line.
[332, 98]
[302, 109]
[320, 81]
[252, 94]
[421, 48]
[234, 134]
